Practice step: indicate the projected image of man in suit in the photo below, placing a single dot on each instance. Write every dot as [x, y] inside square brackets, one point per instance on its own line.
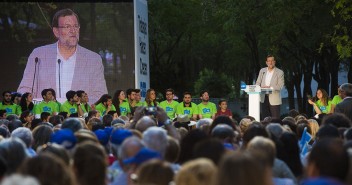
[64, 65]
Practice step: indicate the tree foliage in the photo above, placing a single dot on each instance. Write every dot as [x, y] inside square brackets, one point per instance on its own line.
[217, 84]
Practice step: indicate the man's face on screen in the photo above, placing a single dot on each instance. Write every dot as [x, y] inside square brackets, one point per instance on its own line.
[67, 31]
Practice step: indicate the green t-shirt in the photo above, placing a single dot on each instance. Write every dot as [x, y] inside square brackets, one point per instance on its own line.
[324, 109]
[207, 110]
[141, 103]
[84, 108]
[124, 109]
[51, 107]
[152, 104]
[11, 109]
[102, 109]
[170, 108]
[190, 111]
[67, 107]
[336, 100]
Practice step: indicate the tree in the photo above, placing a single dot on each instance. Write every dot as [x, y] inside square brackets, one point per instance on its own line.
[217, 84]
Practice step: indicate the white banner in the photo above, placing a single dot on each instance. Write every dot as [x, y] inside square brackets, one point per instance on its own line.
[142, 75]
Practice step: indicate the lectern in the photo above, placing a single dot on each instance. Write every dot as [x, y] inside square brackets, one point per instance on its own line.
[254, 92]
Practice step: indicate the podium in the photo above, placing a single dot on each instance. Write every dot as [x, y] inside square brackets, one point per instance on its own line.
[254, 92]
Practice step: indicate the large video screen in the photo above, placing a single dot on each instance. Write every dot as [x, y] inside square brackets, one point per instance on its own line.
[105, 28]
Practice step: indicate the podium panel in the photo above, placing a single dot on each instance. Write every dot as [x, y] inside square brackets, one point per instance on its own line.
[254, 92]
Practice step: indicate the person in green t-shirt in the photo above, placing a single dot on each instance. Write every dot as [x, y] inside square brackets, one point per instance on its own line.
[104, 105]
[150, 99]
[54, 98]
[131, 99]
[8, 105]
[120, 103]
[187, 107]
[138, 98]
[47, 105]
[72, 105]
[83, 97]
[169, 105]
[321, 103]
[336, 100]
[206, 109]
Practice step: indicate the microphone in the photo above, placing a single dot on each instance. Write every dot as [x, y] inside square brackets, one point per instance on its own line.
[35, 71]
[59, 62]
[262, 78]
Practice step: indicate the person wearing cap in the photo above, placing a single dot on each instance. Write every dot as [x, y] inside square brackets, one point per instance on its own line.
[188, 107]
[128, 149]
[206, 109]
[64, 137]
[116, 139]
[169, 105]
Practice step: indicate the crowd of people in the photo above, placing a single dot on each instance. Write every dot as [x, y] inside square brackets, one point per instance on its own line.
[122, 140]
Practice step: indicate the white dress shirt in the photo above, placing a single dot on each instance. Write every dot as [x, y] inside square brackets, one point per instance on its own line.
[66, 68]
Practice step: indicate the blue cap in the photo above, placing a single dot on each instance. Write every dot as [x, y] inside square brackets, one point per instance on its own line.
[102, 136]
[143, 155]
[119, 135]
[64, 137]
[108, 130]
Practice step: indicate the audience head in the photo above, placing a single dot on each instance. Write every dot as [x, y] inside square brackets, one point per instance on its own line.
[147, 171]
[338, 120]
[255, 129]
[56, 150]
[210, 148]
[13, 151]
[199, 171]
[328, 158]
[243, 168]
[155, 138]
[90, 163]
[47, 165]
[41, 135]
[25, 134]
[72, 123]
[144, 123]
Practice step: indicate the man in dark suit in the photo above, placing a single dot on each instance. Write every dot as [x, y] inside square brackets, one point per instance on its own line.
[273, 78]
[345, 106]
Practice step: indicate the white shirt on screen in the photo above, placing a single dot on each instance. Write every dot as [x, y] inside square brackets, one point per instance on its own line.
[66, 74]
